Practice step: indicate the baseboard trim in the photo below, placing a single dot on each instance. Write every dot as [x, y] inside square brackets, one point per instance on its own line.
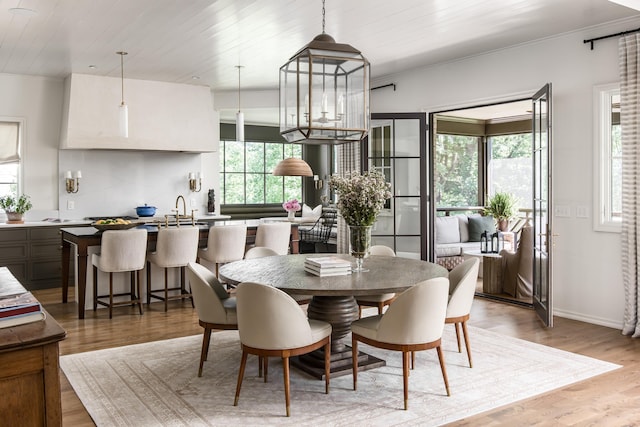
[588, 319]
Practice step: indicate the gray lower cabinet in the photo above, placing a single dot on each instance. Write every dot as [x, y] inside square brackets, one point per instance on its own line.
[33, 255]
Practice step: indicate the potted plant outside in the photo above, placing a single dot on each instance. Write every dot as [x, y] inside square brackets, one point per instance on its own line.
[15, 208]
[502, 206]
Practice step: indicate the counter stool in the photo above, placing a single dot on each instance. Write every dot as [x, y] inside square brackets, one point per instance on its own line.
[226, 243]
[175, 248]
[120, 251]
[274, 235]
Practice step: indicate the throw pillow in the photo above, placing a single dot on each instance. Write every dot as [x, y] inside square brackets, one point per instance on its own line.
[447, 229]
[479, 224]
[311, 213]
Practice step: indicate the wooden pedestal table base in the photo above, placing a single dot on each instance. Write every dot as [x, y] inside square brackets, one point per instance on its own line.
[339, 311]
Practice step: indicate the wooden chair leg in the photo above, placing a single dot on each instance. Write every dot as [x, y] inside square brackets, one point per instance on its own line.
[287, 392]
[444, 369]
[265, 365]
[148, 283]
[359, 312]
[380, 307]
[110, 295]
[327, 365]
[139, 290]
[259, 366]
[132, 286]
[413, 359]
[166, 289]
[243, 362]
[354, 361]
[95, 288]
[456, 325]
[206, 339]
[466, 342]
[405, 378]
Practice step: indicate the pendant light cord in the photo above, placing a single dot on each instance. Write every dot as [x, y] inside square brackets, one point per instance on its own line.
[238, 67]
[122, 54]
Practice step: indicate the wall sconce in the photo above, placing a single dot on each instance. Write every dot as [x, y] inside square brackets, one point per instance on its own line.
[73, 181]
[317, 182]
[195, 182]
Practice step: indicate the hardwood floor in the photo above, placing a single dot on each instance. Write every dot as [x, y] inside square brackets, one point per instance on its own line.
[611, 399]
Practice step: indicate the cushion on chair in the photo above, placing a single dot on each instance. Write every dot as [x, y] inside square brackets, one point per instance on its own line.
[311, 214]
[367, 326]
[462, 287]
[122, 250]
[319, 329]
[447, 229]
[477, 225]
[226, 243]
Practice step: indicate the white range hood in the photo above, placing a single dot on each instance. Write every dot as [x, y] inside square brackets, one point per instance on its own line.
[162, 116]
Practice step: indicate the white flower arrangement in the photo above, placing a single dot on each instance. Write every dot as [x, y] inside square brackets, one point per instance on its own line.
[361, 197]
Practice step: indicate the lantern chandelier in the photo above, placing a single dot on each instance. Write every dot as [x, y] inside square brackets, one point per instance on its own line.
[324, 93]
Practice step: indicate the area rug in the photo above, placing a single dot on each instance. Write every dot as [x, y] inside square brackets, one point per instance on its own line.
[156, 384]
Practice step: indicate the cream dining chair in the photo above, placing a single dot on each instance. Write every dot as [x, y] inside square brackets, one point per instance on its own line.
[380, 300]
[462, 289]
[120, 251]
[271, 324]
[413, 322]
[175, 248]
[274, 235]
[215, 307]
[226, 243]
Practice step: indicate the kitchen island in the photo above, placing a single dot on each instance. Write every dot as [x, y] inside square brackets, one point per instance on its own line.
[85, 237]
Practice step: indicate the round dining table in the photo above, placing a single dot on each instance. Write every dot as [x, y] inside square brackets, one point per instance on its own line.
[334, 296]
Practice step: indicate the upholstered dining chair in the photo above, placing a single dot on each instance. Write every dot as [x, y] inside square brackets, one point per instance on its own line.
[226, 243]
[462, 289]
[259, 252]
[380, 300]
[120, 251]
[215, 307]
[287, 334]
[413, 322]
[175, 248]
[274, 235]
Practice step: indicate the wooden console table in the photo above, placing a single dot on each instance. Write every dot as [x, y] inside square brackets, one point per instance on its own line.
[29, 370]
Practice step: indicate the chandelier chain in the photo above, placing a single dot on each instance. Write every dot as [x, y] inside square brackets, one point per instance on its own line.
[323, 16]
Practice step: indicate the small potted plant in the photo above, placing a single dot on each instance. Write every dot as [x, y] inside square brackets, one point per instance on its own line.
[15, 208]
[502, 206]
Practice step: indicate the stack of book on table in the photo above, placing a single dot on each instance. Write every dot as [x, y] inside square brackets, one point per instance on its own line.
[327, 266]
[18, 309]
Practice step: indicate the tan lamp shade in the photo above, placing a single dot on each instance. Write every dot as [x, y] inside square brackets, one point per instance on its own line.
[293, 167]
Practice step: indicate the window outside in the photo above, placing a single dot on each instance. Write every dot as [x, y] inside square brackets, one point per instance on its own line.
[245, 173]
[456, 171]
[510, 167]
[9, 158]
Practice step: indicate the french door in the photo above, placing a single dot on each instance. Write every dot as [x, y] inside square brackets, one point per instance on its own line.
[543, 235]
[397, 146]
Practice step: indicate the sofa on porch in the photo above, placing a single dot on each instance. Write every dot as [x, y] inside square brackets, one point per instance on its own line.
[457, 233]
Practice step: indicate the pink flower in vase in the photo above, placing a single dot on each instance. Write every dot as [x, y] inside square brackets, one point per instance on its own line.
[291, 205]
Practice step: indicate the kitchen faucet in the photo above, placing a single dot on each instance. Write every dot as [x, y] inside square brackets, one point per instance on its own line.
[184, 205]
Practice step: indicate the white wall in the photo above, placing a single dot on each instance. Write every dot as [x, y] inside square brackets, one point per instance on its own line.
[587, 275]
[37, 100]
[114, 182]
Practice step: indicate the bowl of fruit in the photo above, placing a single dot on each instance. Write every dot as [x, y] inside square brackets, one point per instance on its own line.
[113, 224]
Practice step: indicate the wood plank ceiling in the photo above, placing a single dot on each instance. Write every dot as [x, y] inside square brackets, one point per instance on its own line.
[174, 40]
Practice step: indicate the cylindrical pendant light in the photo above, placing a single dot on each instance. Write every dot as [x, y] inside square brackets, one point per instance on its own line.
[123, 118]
[239, 115]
